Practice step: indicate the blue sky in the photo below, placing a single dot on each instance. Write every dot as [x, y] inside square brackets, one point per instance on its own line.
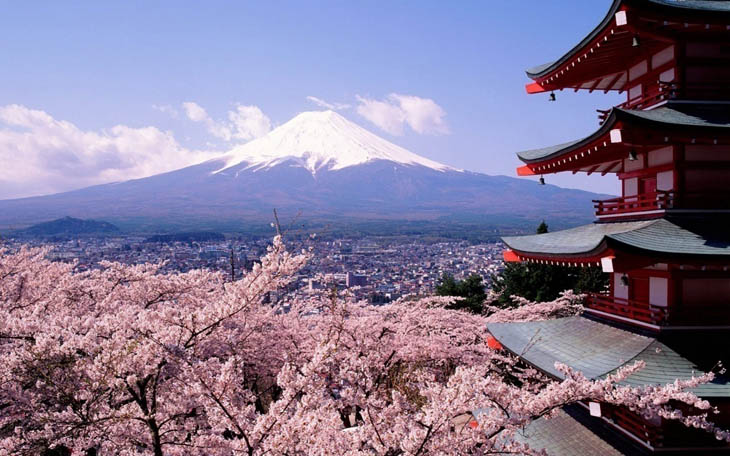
[119, 72]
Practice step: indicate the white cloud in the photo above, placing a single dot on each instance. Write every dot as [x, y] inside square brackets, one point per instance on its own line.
[323, 104]
[195, 112]
[167, 109]
[249, 122]
[387, 116]
[396, 111]
[42, 155]
[244, 123]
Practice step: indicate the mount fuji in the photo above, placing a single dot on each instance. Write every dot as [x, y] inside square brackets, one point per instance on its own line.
[320, 165]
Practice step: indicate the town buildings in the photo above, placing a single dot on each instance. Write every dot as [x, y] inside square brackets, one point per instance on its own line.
[666, 240]
[380, 269]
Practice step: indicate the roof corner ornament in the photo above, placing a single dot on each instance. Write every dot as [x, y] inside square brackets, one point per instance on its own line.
[616, 136]
[621, 18]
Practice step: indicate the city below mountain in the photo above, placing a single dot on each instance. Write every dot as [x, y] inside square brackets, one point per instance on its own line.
[195, 236]
[320, 169]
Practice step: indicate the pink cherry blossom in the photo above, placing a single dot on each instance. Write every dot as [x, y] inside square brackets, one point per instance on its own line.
[128, 361]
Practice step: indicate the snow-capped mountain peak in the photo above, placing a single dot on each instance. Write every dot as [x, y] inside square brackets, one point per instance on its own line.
[321, 139]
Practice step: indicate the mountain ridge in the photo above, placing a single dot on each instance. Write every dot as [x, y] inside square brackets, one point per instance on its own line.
[320, 166]
[313, 137]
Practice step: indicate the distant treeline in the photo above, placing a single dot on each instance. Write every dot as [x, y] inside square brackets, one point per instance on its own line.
[68, 227]
[195, 236]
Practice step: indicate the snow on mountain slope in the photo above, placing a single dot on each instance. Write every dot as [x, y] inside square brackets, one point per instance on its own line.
[320, 140]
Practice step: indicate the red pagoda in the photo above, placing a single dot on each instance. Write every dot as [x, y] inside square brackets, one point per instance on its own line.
[665, 241]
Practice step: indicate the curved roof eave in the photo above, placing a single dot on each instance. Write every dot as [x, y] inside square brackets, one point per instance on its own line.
[544, 69]
[708, 116]
[676, 237]
[683, 6]
[598, 350]
[671, 237]
[581, 241]
[546, 153]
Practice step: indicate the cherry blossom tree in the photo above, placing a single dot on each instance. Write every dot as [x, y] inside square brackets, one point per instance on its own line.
[125, 360]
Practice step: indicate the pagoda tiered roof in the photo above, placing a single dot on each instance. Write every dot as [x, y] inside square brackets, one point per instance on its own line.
[671, 237]
[591, 64]
[598, 350]
[663, 243]
[604, 151]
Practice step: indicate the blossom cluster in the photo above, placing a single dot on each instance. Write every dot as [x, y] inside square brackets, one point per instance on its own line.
[124, 360]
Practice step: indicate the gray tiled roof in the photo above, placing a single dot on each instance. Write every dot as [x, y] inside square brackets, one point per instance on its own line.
[672, 235]
[683, 114]
[677, 114]
[583, 344]
[562, 435]
[664, 365]
[680, 236]
[537, 154]
[583, 239]
[597, 350]
[712, 6]
[700, 5]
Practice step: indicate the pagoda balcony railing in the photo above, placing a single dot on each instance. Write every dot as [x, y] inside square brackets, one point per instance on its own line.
[650, 97]
[634, 423]
[654, 201]
[675, 315]
[664, 91]
[627, 308]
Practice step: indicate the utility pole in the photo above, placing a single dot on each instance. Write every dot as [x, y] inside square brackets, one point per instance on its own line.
[233, 267]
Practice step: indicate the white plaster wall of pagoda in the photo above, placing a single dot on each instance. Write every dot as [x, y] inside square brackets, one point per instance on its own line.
[661, 156]
[665, 180]
[638, 70]
[660, 58]
[667, 76]
[705, 291]
[631, 186]
[635, 92]
[634, 165]
[607, 264]
[619, 289]
[658, 291]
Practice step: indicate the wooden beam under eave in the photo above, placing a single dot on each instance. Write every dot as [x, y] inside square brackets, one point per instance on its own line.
[613, 81]
[593, 169]
[595, 84]
[610, 168]
[525, 171]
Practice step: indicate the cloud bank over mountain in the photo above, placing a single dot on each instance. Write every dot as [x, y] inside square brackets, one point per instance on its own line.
[41, 154]
[243, 124]
[44, 155]
[397, 111]
[319, 165]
